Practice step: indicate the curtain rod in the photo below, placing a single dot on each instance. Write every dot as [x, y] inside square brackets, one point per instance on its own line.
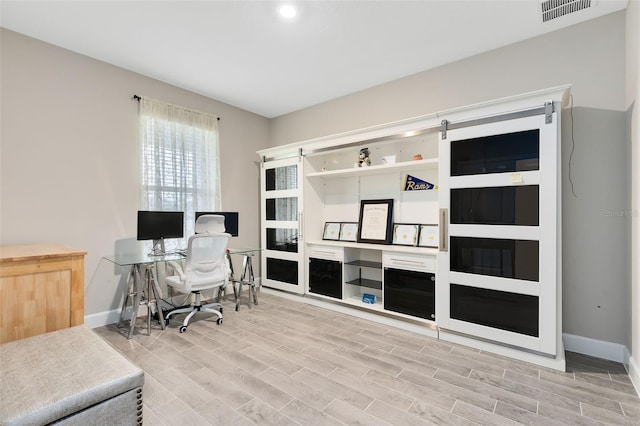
[137, 98]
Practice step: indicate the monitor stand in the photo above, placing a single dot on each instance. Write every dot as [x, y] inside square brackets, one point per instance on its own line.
[158, 248]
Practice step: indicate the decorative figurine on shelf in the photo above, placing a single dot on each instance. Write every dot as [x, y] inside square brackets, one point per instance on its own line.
[417, 157]
[363, 158]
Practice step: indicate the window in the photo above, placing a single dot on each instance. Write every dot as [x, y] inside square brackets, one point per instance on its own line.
[180, 168]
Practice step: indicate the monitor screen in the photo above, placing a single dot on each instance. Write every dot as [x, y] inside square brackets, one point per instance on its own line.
[230, 221]
[156, 225]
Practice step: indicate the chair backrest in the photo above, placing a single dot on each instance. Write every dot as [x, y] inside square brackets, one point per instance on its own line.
[210, 223]
[205, 265]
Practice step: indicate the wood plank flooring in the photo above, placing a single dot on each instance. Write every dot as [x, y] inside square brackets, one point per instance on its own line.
[286, 362]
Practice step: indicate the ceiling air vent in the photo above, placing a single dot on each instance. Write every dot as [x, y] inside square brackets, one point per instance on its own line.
[552, 9]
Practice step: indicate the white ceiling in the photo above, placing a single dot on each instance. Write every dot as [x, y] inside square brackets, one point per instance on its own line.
[242, 53]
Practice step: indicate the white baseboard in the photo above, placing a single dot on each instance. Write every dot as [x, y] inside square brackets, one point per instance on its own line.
[102, 318]
[634, 373]
[597, 348]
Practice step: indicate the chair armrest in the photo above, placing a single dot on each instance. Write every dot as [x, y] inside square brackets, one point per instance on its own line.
[178, 268]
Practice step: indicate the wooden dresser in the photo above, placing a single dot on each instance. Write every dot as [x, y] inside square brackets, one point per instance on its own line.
[41, 289]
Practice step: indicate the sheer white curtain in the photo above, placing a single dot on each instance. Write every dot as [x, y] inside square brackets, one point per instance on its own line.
[180, 165]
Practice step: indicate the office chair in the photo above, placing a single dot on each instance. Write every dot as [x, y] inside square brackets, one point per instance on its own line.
[204, 268]
[210, 223]
[214, 223]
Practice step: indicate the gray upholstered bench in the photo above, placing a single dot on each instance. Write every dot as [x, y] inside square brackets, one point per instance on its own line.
[68, 377]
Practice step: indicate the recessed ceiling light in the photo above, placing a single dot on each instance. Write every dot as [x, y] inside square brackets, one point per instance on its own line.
[287, 11]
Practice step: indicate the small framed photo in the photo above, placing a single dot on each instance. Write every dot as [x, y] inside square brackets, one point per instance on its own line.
[331, 231]
[374, 225]
[428, 236]
[405, 234]
[348, 231]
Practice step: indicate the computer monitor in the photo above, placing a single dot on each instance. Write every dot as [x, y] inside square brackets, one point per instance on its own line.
[230, 221]
[158, 226]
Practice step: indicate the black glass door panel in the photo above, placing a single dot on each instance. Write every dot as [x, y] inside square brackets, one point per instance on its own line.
[282, 239]
[285, 208]
[281, 178]
[282, 270]
[410, 292]
[509, 205]
[513, 312]
[325, 277]
[509, 152]
[517, 259]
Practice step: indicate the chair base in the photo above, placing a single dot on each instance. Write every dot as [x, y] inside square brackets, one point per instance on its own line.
[195, 308]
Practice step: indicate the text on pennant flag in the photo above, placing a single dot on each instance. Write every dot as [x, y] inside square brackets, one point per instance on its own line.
[412, 183]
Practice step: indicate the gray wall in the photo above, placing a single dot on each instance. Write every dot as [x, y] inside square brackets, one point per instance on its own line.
[595, 234]
[590, 57]
[69, 158]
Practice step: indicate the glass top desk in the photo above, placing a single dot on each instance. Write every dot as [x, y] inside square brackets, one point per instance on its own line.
[143, 287]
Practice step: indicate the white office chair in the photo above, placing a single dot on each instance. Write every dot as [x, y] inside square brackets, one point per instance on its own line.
[210, 223]
[214, 223]
[204, 268]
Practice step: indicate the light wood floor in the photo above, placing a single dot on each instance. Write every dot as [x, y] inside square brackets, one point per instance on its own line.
[289, 363]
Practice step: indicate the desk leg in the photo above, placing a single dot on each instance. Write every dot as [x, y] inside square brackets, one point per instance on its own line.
[128, 297]
[248, 270]
[138, 288]
[239, 293]
[157, 297]
[247, 278]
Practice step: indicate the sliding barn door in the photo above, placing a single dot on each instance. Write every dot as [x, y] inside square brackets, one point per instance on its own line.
[499, 260]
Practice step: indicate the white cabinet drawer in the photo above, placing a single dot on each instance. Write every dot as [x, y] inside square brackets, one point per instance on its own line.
[326, 252]
[412, 262]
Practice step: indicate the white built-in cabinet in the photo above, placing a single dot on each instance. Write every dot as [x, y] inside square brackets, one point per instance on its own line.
[494, 279]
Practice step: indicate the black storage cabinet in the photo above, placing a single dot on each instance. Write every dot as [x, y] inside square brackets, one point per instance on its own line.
[410, 292]
[325, 277]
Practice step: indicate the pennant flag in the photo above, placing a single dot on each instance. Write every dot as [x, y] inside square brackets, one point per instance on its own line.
[412, 183]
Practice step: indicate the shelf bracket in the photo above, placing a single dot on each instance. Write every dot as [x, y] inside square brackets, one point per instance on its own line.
[443, 128]
[548, 111]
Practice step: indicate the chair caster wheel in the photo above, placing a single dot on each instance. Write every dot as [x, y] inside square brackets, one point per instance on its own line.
[183, 329]
[166, 321]
[219, 321]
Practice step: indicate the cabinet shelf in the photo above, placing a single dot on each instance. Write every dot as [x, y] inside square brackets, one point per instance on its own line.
[405, 166]
[364, 282]
[357, 301]
[365, 264]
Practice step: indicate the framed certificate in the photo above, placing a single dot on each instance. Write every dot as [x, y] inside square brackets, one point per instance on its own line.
[376, 217]
[349, 231]
[405, 234]
[428, 236]
[331, 231]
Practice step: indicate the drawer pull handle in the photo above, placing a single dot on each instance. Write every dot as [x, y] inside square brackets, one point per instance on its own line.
[415, 262]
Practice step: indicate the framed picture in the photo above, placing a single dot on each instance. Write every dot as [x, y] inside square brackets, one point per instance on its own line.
[331, 231]
[428, 236]
[405, 234]
[376, 217]
[349, 231]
